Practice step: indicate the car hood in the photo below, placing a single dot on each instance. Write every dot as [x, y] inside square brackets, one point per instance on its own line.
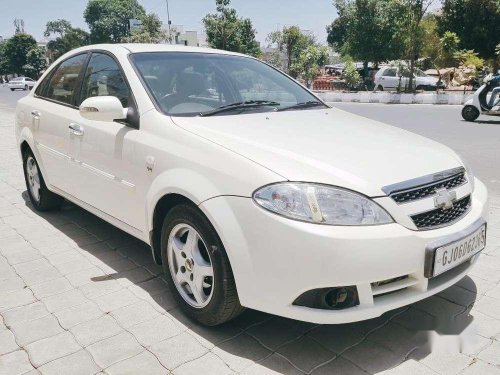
[328, 146]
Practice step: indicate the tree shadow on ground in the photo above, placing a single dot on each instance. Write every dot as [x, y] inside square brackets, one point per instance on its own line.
[256, 342]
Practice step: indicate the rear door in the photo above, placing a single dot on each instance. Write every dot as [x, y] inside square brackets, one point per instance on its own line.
[104, 177]
[389, 79]
[52, 111]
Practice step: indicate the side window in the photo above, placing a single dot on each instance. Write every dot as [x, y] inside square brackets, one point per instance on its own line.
[104, 78]
[63, 82]
[390, 72]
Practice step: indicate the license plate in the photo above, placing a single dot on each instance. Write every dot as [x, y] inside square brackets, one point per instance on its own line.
[451, 255]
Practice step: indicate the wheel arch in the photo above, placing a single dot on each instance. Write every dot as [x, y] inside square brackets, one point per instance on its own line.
[173, 187]
[161, 209]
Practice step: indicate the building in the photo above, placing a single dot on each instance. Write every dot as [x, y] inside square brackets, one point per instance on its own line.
[187, 37]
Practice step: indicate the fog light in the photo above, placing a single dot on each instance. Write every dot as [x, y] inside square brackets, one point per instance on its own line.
[337, 298]
[341, 298]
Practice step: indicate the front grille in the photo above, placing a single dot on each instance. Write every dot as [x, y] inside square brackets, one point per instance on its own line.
[428, 190]
[440, 217]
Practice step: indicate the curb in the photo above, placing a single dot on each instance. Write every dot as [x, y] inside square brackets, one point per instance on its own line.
[393, 98]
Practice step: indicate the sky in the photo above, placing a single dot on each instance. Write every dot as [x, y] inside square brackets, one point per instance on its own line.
[266, 15]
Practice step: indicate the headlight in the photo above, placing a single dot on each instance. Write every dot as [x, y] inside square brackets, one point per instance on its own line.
[320, 204]
[469, 173]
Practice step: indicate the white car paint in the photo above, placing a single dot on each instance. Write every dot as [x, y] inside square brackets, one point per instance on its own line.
[119, 173]
[21, 83]
[390, 77]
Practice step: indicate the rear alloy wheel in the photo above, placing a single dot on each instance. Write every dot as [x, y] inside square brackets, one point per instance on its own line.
[41, 197]
[470, 113]
[197, 267]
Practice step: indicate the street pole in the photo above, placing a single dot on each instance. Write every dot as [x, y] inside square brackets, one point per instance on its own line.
[169, 22]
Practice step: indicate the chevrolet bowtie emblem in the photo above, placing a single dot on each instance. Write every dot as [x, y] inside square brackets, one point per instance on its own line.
[444, 199]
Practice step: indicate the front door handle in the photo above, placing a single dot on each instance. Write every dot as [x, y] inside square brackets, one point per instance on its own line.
[76, 129]
[35, 114]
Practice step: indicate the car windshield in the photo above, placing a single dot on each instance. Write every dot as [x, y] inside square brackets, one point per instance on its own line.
[419, 73]
[194, 84]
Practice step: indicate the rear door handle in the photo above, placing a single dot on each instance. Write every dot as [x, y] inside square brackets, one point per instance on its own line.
[76, 129]
[35, 114]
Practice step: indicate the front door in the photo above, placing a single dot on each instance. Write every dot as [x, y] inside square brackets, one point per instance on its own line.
[104, 150]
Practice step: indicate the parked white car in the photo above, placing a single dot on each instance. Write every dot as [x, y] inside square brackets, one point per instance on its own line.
[21, 83]
[391, 77]
[250, 190]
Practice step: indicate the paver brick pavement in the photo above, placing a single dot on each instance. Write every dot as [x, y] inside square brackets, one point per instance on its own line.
[78, 296]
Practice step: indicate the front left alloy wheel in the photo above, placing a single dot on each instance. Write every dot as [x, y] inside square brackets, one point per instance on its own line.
[41, 197]
[197, 267]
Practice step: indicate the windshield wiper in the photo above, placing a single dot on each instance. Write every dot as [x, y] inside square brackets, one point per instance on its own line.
[241, 105]
[309, 104]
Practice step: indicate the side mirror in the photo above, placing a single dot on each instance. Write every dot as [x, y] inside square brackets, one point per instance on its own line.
[103, 108]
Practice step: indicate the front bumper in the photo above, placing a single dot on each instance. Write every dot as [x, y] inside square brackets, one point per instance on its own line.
[275, 259]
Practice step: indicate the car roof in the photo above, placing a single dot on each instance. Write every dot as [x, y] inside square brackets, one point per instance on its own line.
[144, 47]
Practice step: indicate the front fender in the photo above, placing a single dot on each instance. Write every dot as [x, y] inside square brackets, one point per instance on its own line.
[185, 182]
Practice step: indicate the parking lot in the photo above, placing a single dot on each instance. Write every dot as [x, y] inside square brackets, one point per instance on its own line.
[78, 296]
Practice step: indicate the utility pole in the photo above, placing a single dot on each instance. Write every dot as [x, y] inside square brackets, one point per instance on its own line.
[169, 23]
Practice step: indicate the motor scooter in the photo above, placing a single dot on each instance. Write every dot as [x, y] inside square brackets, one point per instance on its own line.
[478, 104]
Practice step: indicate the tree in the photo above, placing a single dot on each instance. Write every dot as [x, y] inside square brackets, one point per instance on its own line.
[108, 20]
[16, 51]
[351, 75]
[292, 41]
[411, 31]
[367, 30]
[35, 62]
[68, 38]
[3, 59]
[225, 30]
[149, 32]
[309, 62]
[59, 26]
[476, 23]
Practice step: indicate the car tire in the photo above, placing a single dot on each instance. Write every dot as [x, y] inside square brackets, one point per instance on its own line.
[218, 298]
[380, 88]
[25, 87]
[11, 89]
[41, 197]
[470, 113]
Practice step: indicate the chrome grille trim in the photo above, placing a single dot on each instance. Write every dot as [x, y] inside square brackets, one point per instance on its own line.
[411, 195]
[422, 181]
[439, 217]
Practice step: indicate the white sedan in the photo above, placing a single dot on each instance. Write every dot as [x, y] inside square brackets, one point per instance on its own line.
[250, 190]
[21, 83]
[391, 77]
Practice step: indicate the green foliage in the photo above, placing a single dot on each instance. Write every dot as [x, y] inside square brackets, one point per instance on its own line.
[58, 26]
[108, 20]
[309, 62]
[16, 50]
[352, 77]
[476, 23]
[35, 62]
[69, 38]
[225, 30]
[469, 57]
[3, 59]
[367, 30]
[149, 32]
[293, 42]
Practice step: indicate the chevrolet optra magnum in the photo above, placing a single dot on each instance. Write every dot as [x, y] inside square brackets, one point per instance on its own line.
[249, 189]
